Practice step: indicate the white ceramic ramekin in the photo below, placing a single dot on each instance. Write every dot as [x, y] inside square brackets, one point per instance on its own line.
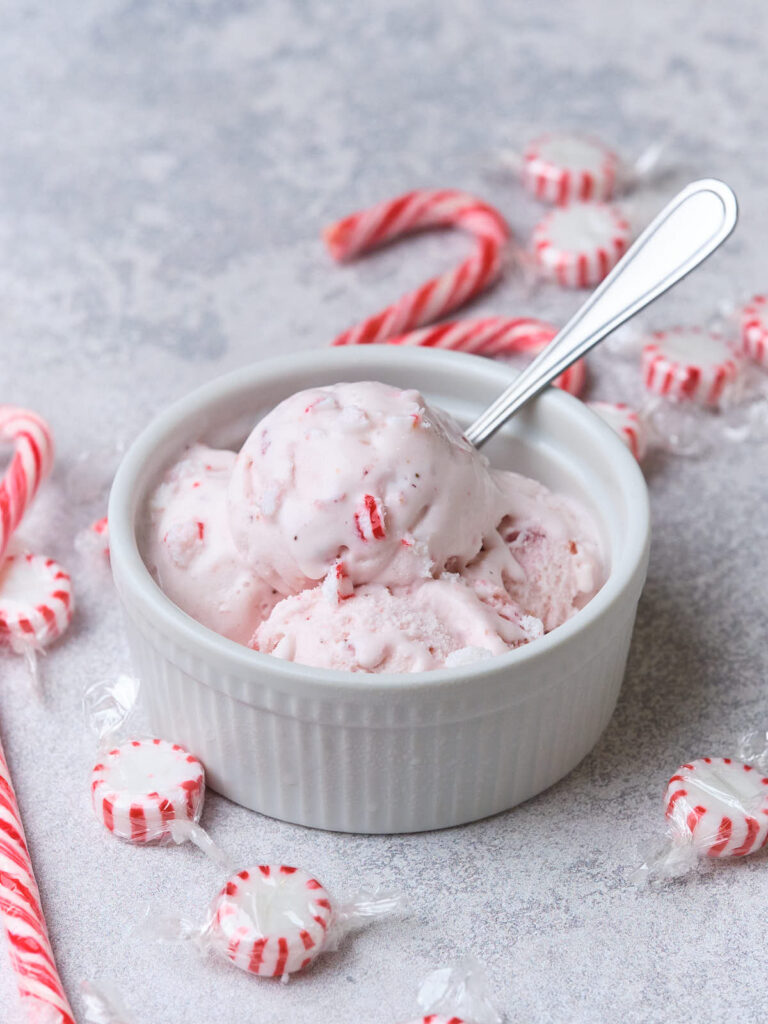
[388, 753]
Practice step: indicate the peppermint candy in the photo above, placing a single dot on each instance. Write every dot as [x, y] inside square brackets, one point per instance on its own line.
[560, 168]
[716, 807]
[688, 364]
[626, 423]
[754, 330]
[35, 602]
[719, 806]
[271, 920]
[579, 244]
[141, 788]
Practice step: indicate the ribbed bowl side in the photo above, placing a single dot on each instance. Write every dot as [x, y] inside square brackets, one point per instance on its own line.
[358, 766]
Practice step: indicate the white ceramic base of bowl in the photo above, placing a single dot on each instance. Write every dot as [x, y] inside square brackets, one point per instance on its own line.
[388, 753]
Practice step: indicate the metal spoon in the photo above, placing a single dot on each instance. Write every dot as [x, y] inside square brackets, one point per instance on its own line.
[686, 231]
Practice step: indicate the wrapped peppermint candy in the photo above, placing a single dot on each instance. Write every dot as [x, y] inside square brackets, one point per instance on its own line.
[36, 601]
[578, 244]
[560, 167]
[753, 330]
[701, 391]
[273, 920]
[143, 789]
[458, 994]
[716, 807]
[627, 423]
[690, 365]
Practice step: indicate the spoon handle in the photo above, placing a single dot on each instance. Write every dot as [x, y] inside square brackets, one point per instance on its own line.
[686, 231]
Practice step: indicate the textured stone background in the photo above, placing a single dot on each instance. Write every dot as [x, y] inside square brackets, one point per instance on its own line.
[164, 171]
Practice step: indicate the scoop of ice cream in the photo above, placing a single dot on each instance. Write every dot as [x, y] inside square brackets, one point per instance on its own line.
[190, 551]
[377, 629]
[362, 471]
[554, 546]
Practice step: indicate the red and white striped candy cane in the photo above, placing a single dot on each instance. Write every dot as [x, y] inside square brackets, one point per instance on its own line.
[416, 211]
[40, 987]
[31, 462]
[497, 336]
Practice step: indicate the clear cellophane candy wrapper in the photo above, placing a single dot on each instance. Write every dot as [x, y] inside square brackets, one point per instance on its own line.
[272, 920]
[144, 789]
[103, 1004]
[458, 992]
[716, 808]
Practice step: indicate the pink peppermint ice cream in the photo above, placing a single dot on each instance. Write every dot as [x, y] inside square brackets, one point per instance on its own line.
[365, 472]
[190, 552]
[358, 530]
[378, 629]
